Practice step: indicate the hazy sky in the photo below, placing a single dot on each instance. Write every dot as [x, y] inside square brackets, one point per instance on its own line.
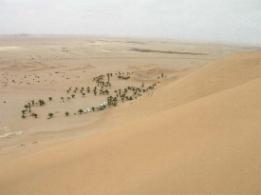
[236, 21]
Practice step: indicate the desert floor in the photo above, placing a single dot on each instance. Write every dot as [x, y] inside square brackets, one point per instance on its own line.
[196, 132]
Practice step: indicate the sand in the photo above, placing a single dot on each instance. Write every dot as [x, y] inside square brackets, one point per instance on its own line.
[197, 133]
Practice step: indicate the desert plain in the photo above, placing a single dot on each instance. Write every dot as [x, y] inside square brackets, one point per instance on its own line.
[95, 115]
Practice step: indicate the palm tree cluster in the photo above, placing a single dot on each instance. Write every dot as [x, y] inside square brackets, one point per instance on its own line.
[83, 91]
[27, 111]
[101, 82]
[102, 87]
[123, 77]
[129, 93]
[112, 101]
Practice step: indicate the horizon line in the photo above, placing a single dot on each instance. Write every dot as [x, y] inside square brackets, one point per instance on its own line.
[172, 39]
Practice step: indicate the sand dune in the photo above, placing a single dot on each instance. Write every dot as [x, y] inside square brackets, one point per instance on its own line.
[214, 77]
[203, 137]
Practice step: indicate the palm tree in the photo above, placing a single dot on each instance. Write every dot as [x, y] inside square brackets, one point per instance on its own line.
[88, 89]
[50, 98]
[23, 116]
[108, 77]
[80, 111]
[67, 113]
[50, 115]
[41, 102]
[115, 101]
[35, 115]
[110, 101]
[95, 90]
[26, 107]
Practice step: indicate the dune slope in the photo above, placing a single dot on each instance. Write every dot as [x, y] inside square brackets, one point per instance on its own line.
[208, 142]
[214, 77]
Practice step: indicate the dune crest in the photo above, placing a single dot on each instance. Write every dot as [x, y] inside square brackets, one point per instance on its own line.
[212, 78]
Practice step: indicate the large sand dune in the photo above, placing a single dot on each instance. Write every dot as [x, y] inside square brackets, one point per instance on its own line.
[33, 68]
[202, 137]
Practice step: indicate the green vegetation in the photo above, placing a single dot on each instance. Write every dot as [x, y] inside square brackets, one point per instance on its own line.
[102, 87]
[50, 115]
[80, 111]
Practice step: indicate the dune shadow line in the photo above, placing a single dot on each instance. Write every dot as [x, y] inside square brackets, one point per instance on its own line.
[166, 51]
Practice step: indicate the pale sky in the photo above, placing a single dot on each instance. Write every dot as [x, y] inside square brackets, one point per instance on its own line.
[232, 21]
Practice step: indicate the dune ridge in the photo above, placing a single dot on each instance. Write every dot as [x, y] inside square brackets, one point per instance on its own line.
[198, 135]
[212, 78]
